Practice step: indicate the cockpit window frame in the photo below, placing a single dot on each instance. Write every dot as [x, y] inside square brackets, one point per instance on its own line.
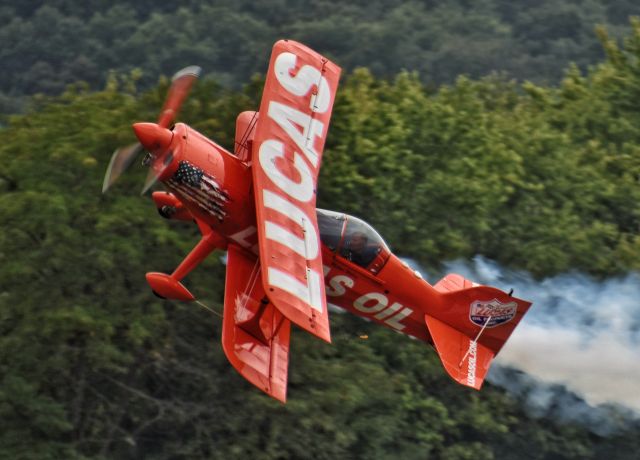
[377, 250]
[321, 215]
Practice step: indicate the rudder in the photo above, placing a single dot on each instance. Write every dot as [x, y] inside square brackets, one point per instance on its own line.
[472, 327]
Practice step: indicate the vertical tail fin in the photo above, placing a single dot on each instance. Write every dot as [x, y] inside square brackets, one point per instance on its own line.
[472, 327]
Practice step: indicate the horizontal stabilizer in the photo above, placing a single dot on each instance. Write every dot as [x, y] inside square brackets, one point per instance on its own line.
[469, 308]
[464, 359]
[255, 335]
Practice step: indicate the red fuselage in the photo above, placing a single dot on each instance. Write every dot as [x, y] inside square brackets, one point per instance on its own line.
[259, 203]
[395, 296]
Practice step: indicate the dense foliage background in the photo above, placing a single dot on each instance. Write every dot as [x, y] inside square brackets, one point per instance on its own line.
[537, 177]
[45, 45]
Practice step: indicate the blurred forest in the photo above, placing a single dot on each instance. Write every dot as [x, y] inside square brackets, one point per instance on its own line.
[535, 176]
[45, 45]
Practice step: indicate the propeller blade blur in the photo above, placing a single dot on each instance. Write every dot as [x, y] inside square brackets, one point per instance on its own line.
[181, 84]
[155, 138]
[156, 169]
[120, 161]
[151, 179]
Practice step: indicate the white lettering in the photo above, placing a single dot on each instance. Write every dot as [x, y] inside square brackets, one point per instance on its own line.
[290, 160]
[394, 321]
[380, 302]
[302, 191]
[283, 236]
[242, 237]
[309, 294]
[337, 285]
[371, 303]
[288, 209]
[303, 81]
[389, 311]
[300, 127]
[471, 364]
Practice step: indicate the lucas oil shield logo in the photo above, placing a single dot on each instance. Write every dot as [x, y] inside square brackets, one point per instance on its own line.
[492, 313]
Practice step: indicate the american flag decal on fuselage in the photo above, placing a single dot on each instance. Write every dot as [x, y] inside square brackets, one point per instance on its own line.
[197, 186]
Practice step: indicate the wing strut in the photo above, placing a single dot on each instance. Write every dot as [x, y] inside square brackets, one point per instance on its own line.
[169, 286]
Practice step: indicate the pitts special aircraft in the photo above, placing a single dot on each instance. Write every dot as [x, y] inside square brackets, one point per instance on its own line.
[286, 260]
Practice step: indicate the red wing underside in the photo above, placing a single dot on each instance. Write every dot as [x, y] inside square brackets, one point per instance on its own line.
[255, 335]
[290, 135]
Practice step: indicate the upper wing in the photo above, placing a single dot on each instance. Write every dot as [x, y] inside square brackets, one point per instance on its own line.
[292, 127]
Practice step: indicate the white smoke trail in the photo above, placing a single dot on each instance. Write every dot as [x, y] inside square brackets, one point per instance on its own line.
[582, 333]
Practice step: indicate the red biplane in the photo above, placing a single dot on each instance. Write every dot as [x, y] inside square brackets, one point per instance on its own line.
[287, 261]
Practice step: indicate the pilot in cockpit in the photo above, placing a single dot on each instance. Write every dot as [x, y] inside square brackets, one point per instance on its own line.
[358, 250]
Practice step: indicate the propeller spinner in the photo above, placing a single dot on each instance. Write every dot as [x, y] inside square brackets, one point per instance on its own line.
[155, 138]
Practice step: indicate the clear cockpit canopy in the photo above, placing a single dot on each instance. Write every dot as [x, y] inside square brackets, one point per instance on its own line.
[352, 239]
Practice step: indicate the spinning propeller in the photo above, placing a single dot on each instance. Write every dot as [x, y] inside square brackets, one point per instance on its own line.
[154, 137]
